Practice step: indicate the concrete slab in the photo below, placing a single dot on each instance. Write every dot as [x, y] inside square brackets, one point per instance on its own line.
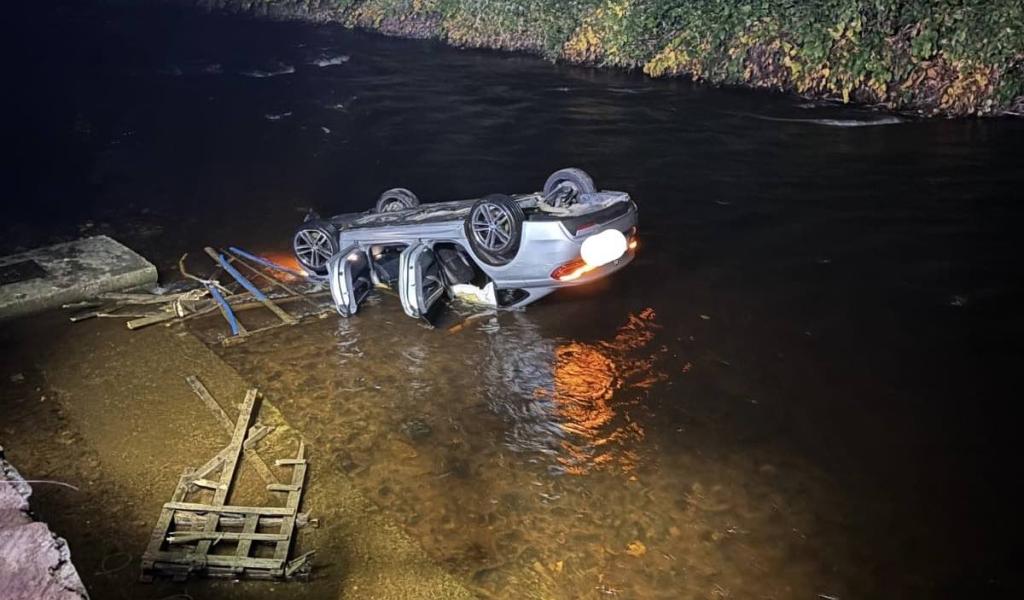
[48, 277]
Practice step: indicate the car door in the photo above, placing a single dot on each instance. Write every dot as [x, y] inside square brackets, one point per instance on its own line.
[420, 282]
[348, 273]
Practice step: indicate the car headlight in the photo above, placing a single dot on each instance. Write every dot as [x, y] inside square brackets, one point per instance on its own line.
[603, 248]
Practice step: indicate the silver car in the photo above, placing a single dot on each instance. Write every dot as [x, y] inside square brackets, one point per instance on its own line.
[499, 250]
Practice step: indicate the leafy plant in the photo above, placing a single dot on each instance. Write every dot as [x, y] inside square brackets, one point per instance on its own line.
[953, 57]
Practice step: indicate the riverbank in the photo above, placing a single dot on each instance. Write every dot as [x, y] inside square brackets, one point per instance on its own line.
[930, 57]
[34, 562]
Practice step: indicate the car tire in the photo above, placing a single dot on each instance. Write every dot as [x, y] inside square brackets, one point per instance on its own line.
[494, 227]
[575, 178]
[396, 199]
[314, 243]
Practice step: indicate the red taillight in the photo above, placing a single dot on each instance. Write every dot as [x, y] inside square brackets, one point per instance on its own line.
[571, 270]
[632, 240]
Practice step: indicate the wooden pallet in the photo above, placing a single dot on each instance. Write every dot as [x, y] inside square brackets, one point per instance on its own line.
[189, 537]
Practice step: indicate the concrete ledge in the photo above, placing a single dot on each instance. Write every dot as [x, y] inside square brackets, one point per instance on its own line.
[71, 272]
[34, 563]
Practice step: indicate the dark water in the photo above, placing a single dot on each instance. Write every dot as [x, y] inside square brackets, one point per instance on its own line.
[803, 385]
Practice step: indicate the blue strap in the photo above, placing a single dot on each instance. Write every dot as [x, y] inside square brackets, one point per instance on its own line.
[265, 262]
[255, 291]
[228, 313]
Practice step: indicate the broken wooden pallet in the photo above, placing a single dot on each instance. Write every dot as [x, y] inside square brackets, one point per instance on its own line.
[191, 537]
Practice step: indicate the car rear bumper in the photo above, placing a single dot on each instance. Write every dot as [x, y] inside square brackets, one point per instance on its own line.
[548, 245]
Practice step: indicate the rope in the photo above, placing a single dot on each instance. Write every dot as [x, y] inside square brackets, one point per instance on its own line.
[104, 570]
[13, 482]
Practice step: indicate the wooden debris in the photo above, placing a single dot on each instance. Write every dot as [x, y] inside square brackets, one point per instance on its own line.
[239, 259]
[282, 487]
[257, 433]
[185, 520]
[286, 319]
[186, 531]
[204, 395]
[146, 321]
[247, 446]
[209, 299]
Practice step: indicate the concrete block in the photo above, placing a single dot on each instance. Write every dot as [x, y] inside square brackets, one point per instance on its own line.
[55, 275]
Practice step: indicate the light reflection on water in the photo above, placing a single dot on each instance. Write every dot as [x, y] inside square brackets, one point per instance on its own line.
[565, 399]
[533, 466]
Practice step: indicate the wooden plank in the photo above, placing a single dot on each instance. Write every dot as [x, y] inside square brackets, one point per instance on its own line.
[276, 511]
[204, 395]
[162, 526]
[251, 523]
[189, 537]
[249, 573]
[211, 465]
[261, 467]
[148, 320]
[227, 476]
[206, 483]
[248, 445]
[184, 520]
[283, 487]
[298, 563]
[216, 560]
[235, 339]
[256, 434]
[131, 298]
[294, 497]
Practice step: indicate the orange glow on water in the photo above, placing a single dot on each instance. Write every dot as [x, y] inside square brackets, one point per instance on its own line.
[592, 384]
[285, 259]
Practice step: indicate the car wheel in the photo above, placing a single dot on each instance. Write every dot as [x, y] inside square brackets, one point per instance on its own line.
[493, 227]
[314, 243]
[575, 179]
[396, 199]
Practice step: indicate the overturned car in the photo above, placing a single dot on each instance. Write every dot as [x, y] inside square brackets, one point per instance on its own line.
[503, 251]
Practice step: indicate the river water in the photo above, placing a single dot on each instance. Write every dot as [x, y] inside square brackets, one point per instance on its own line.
[801, 388]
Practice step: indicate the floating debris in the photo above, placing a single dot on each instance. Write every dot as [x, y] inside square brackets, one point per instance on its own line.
[209, 296]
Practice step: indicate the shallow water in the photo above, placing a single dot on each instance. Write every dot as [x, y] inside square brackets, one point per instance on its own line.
[548, 473]
[801, 386]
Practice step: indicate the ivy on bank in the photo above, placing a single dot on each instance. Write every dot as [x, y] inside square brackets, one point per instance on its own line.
[950, 57]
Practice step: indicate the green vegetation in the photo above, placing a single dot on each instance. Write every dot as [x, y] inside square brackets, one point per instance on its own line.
[949, 57]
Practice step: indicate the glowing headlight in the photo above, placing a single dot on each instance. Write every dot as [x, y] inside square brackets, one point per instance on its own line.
[603, 248]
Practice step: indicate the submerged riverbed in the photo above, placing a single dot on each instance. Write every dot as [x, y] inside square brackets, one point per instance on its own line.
[801, 387]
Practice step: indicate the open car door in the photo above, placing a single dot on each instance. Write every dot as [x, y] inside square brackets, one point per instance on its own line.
[348, 273]
[420, 282]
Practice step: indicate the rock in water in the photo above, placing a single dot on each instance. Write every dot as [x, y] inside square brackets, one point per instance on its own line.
[416, 429]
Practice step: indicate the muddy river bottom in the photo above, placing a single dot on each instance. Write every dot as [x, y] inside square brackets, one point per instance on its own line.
[534, 466]
[525, 465]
